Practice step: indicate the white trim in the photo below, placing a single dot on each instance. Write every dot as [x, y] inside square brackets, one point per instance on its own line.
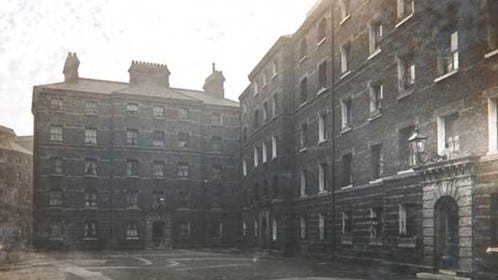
[345, 19]
[347, 187]
[492, 125]
[323, 40]
[374, 54]
[322, 90]
[404, 20]
[345, 74]
[490, 54]
[447, 75]
[440, 135]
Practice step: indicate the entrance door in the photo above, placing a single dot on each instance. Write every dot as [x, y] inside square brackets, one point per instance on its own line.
[446, 226]
[157, 232]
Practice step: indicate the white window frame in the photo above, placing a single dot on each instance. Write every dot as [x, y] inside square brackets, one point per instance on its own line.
[441, 135]
[402, 219]
[345, 57]
[244, 167]
[274, 68]
[256, 156]
[303, 182]
[255, 88]
[158, 112]
[373, 41]
[244, 228]
[132, 108]
[402, 74]
[256, 229]
[400, 9]
[322, 127]
[90, 136]
[346, 113]
[322, 173]
[265, 152]
[345, 12]
[493, 124]
[302, 227]
[274, 103]
[158, 169]
[274, 150]
[274, 231]
[56, 133]
[376, 97]
[91, 107]
[321, 226]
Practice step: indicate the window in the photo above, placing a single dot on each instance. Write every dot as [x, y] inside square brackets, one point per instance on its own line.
[255, 88]
[57, 165]
[322, 177]
[256, 118]
[493, 124]
[345, 8]
[494, 220]
[264, 152]
[91, 107]
[131, 199]
[243, 108]
[132, 137]
[265, 79]
[158, 169]
[346, 113]
[274, 149]
[322, 127]
[302, 227]
[158, 139]
[274, 229]
[132, 108]
[90, 167]
[447, 47]
[376, 96]
[347, 222]
[448, 138]
[376, 161]
[158, 199]
[183, 114]
[347, 170]
[90, 136]
[256, 228]
[18, 176]
[216, 144]
[303, 48]
[265, 111]
[132, 167]
[376, 222]
[407, 220]
[274, 68]
[244, 228]
[183, 140]
[345, 56]
[303, 90]
[217, 230]
[132, 230]
[303, 138]
[55, 198]
[56, 104]
[322, 30]
[405, 8]
[184, 230]
[216, 172]
[303, 182]
[184, 200]
[90, 198]
[406, 155]
[406, 72]
[321, 226]
[275, 187]
[375, 35]
[55, 230]
[256, 157]
[492, 24]
[183, 169]
[90, 230]
[244, 167]
[322, 75]
[274, 104]
[56, 133]
[158, 112]
[216, 119]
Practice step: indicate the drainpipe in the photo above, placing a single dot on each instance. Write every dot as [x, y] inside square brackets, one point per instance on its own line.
[332, 132]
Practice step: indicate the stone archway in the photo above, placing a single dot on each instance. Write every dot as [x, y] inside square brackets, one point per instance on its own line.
[446, 233]
[158, 231]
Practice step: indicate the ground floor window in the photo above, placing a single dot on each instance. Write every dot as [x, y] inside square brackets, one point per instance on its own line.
[132, 231]
[494, 220]
[274, 232]
[407, 215]
[55, 230]
[184, 230]
[90, 230]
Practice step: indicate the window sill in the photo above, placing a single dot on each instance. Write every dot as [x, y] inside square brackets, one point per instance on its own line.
[303, 196]
[133, 176]
[302, 105]
[90, 144]
[274, 158]
[90, 239]
[274, 76]
[56, 175]
[345, 74]
[303, 59]
[376, 243]
[346, 130]
[350, 186]
[55, 238]
[408, 171]
[132, 238]
[407, 242]
[445, 76]
[323, 40]
[374, 54]
[345, 19]
[374, 116]
[157, 178]
[322, 90]
[91, 114]
[376, 182]
[404, 93]
[324, 192]
[320, 142]
[302, 150]
[90, 176]
[404, 20]
[347, 241]
[491, 54]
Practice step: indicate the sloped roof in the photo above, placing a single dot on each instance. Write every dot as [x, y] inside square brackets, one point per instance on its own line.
[88, 85]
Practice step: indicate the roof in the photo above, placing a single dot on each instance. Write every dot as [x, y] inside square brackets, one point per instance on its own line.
[25, 142]
[113, 87]
[282, 40]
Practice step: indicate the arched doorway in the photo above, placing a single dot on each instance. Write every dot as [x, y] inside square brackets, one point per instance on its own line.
[446, 231]
[157, 232]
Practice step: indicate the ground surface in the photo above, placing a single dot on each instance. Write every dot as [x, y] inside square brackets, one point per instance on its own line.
[180, 264]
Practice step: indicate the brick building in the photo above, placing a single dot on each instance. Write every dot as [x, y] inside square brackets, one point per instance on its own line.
[392, 155]
[15, 191]
[134, 165]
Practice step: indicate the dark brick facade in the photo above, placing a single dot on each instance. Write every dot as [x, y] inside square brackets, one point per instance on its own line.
[166, 163]
[413, 68]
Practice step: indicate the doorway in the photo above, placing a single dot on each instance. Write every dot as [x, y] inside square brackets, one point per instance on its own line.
[157, 233]
[446, 230]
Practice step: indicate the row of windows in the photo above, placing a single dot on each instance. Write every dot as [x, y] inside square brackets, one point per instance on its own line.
[56, 199]
[17, 159]
[322, 180]
[265, 76]
[132, 138]
[266, 113]
[263, 151]
[246, 200]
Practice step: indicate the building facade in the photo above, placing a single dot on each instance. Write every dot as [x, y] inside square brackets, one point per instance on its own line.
[16, 192]
[134, 165]
[393, 146]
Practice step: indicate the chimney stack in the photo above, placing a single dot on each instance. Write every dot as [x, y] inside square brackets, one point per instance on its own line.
[214, 85]
[71, 68]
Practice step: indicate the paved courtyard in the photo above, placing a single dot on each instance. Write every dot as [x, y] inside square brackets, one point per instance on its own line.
[180, 264]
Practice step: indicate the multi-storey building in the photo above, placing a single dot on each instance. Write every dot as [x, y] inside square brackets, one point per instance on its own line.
[134, 165]
[394, 136]
[15, 191]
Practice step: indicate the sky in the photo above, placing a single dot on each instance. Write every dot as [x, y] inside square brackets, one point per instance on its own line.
[187, 35]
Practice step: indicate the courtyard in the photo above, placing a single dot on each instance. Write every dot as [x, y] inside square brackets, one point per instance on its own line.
[181, 264]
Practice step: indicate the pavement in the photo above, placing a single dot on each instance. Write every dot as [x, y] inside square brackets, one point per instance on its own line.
[180, 264]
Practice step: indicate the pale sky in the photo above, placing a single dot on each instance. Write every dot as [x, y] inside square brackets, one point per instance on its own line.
[187, 35]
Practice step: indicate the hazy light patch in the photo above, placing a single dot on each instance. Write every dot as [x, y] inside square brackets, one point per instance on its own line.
[186, 35]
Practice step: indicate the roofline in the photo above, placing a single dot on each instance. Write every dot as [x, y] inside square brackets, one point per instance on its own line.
[282, 40]
[311, 16]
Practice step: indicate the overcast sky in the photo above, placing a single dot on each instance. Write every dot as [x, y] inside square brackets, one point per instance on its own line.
[187, 35]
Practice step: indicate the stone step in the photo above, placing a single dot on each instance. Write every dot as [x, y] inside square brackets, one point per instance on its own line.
[439, 276]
